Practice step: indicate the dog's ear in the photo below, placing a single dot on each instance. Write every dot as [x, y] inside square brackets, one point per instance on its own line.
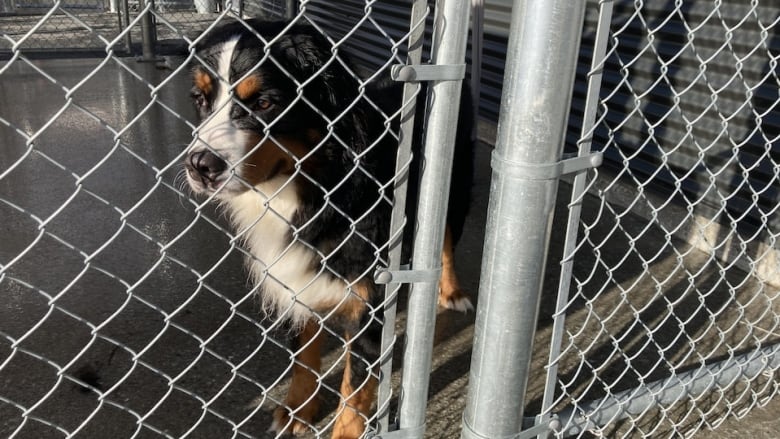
[302, 53]
[331, 85]
[308, 56]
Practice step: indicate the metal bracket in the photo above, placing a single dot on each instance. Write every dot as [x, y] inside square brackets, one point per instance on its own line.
[427, 72]
[569, 164]
[406, 276]
[412, 432]
[534, 427]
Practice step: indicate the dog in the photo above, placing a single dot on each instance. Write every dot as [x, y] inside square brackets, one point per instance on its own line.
[303, 160]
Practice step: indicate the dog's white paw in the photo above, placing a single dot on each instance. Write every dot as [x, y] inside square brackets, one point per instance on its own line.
[457, 302]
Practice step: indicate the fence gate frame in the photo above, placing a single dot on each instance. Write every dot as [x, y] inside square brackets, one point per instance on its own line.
[526, 166]
[525, 173]
[443, 74]
[547, 421]
[398, 219]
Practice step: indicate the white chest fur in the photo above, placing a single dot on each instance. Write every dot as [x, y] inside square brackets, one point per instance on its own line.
[291, 280]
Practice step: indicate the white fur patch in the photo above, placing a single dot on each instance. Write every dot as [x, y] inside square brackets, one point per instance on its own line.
[217, 133]
[289, 288]
[292, 283]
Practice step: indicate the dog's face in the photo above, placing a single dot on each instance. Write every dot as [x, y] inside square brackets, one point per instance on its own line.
[263, 100]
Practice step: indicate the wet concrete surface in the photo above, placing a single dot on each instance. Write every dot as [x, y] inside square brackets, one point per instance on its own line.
[107, 263]
[113, 284]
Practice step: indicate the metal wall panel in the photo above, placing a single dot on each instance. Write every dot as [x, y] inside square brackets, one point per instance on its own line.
[703, 87]
[706, 92]
[366, 28]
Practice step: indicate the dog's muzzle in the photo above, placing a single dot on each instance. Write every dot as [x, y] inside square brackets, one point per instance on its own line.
[206, 167]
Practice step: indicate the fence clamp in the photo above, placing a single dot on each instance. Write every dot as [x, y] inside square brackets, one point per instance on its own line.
[405, 275]
[427, 72]
[409, 432]
[569, 164]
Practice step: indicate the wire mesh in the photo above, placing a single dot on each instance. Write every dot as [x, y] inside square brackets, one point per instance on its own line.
[126, 310]
[674, 283]
[39, 25]
[126, 305]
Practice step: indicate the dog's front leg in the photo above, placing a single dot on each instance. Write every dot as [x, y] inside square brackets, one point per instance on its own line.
[302, 403]
[358, 391]
[451, 296]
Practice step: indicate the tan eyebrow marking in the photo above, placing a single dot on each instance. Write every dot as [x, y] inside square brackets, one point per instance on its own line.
[203, 81]
[249, 87]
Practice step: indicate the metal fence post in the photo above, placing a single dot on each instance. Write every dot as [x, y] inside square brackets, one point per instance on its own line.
[398, 218]
[290, 9]
[124, 24]
[477, 43]
[148, 31]
[541, 61]
[448, 50]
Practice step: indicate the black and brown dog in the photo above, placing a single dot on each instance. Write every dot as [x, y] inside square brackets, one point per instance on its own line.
[301, 153]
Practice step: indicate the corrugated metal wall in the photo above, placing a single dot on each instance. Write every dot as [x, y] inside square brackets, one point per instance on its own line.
[370, 42]
[391, 18]
[685, 85]
[691, 93]
[268, 9]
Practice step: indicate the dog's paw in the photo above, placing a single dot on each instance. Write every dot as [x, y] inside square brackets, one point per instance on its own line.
[283, 424]
[455, 300]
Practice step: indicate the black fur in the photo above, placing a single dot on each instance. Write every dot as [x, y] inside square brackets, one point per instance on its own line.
[345, 211]
[352, 192]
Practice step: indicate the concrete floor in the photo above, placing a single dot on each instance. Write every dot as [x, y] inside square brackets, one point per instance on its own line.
[112, 280]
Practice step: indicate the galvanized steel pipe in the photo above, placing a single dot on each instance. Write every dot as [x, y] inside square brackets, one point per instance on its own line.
[540, 68]
[449, 48]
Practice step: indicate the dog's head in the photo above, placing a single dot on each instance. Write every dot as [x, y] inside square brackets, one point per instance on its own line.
[268, 96]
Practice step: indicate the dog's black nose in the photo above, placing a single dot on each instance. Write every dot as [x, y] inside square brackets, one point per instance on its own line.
[207, 165]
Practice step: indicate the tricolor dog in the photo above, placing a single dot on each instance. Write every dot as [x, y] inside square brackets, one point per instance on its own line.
[300, 154]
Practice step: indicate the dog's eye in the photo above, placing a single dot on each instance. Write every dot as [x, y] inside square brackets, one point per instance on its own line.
[262, 104]
[199, 99]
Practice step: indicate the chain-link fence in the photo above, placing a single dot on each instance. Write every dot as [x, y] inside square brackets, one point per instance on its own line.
[666, 322]
[120, 26]
[126, 309]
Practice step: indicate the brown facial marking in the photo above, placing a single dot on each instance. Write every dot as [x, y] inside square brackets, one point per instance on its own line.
[270, 159]
[314, 136]
[249, 87]
[301, 400]
[203, 81]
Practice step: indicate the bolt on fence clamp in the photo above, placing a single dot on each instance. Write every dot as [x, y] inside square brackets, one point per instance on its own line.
[405, 275]
[569, 164]
[427, 72]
